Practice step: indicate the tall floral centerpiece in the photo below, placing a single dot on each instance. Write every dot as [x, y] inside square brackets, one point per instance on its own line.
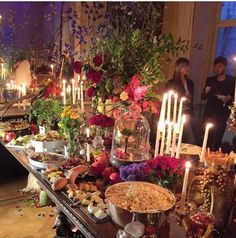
[123, 66]
[70, 124]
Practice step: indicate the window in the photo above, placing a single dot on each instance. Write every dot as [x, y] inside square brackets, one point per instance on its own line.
[226, 35]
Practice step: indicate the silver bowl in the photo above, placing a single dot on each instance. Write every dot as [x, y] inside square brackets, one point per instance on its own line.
[123, 216]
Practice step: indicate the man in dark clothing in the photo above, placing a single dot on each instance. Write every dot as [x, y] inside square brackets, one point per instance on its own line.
[219, 92]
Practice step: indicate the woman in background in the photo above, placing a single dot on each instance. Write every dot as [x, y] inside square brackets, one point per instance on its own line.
[181, 84]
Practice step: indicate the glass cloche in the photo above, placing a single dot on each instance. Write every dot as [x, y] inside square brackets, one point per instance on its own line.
[130, 138]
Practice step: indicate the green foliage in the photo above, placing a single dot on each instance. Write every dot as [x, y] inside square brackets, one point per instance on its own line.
[46, 111]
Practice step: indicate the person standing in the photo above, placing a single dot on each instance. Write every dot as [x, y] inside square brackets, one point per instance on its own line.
[219, 93]
[181, 84]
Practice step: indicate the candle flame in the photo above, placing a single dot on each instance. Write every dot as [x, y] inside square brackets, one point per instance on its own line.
[209, 125]
[234, 58]
[64, 81]
[187, 165]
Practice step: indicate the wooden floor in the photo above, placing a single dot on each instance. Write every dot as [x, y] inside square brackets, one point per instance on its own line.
[17, 219]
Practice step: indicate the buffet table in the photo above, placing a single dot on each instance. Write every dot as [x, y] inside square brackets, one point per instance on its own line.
[77, 216]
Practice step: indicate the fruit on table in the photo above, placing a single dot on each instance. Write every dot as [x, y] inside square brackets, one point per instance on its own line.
[59, 183]
[10, 136]
[107, 172]
[98, 167]
[114, 178]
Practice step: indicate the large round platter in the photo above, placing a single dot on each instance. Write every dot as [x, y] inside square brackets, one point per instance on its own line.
[42, 164]
[149, 198]
[13, 126]
[123, 196]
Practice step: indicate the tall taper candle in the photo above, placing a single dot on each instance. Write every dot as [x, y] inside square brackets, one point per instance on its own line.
[82, 96]
[163, 135]
[163, 108]
[169, 105]
[180, 112]
[73, 91]
[175, 107]
[168, 139]
[204, 144]
[184, 188]
[173, 146]
[88, 152]
[160, 123]
[183, 120]
[64, 91]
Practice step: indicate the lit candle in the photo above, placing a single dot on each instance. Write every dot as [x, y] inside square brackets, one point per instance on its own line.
[64, 91]
[87, 132]
[173, 146]
[163, 138]
[88, 152]
[68, 90]
[73, 91]
[168, 139]
[82, 96]
[158, 137]
[160, 123]
[169, 105]
[183, 120]
[204, 144]
[184, 188]
[52, 66]
[180, 111]
[163, 108]
[175, 107]
[19, 95]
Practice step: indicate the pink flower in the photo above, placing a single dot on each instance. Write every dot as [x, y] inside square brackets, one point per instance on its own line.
[97, 60]
[90, 91]
[94, 76]
[78, 66]
[139, 92]
[136, 107]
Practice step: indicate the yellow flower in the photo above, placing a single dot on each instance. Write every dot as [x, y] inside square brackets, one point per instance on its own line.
[74, 115]
[108, 107]
[101, 106]
[124, 96]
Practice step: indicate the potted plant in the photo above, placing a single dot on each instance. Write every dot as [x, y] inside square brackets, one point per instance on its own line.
[46, 112]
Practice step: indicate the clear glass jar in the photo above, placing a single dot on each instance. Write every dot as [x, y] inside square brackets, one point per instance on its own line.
[131, 138]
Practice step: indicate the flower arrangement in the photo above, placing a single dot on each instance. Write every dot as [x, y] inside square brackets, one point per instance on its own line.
[46, 111]
[163, 170]
[101, 120]
[123, 65]
[70, 124]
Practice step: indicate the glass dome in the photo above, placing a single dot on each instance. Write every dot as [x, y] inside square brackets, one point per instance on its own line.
[131, 138]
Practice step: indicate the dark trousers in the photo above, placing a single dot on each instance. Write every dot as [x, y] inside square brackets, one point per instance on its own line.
[216, 133]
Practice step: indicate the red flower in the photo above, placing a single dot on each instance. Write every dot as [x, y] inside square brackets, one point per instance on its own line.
[78, 66]
[94, 76]
[101, 120]
[97, 60]
[52, 90]
[90, 91]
